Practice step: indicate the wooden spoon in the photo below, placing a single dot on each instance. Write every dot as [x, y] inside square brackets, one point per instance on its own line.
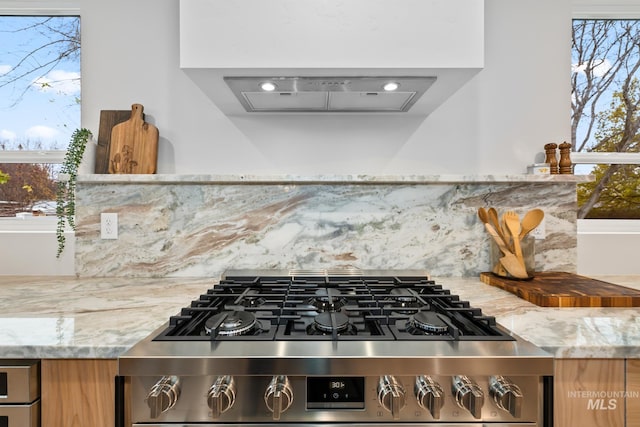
[493, 217]
[509, 261]
[531, 220]
[483, 215]
[512, 220]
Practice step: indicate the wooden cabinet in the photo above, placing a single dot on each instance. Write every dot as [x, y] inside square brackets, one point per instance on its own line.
[633, 392]
[78, 392]
[597, 392]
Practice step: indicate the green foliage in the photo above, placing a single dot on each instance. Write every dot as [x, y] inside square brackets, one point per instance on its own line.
[66, 190]
[621, 197]
[27, 184]
[3, 177]
[618, 185]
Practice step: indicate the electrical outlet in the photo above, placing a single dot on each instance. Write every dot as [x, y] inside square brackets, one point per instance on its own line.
[108, 225]
[540, 232]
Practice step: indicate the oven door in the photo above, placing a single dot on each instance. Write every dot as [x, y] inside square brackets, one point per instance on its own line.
[27, 415]
[19, 393]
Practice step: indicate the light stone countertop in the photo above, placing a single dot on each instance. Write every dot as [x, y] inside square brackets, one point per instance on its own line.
[240, 179]
[67, 317]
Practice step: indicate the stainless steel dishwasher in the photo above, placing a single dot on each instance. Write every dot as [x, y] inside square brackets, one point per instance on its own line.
[19, 393]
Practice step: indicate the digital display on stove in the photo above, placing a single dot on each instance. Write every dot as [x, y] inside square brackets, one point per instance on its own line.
[335, 393]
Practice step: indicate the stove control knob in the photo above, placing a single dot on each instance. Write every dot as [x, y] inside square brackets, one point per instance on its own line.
[279, 395]
[391, 395]
[506, 395]
[430, 395]
[163, 395]
[221, 395]
[468, 395]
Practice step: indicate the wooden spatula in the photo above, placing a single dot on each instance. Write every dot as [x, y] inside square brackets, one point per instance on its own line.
[512, 220]
[495, 221]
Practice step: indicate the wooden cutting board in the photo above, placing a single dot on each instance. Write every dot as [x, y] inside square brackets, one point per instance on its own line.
[108, 119]
[134, 145]
[560, 289]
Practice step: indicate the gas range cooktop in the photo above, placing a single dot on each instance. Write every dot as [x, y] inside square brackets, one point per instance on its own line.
[342, 305]
[333, 347]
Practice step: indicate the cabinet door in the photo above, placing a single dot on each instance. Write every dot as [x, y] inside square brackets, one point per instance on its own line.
[78, 392]
[633, 392]
[589, 393]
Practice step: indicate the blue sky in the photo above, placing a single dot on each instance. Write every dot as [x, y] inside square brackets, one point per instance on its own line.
[46, 114]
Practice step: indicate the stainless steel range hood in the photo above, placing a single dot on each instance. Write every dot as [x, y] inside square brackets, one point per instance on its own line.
[331, 56]
[328, 94]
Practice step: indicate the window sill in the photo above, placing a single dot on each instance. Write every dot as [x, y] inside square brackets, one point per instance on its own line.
[30, 224]
[35, 156]
[608, 226]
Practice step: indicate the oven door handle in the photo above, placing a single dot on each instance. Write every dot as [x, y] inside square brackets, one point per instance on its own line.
[119, 401]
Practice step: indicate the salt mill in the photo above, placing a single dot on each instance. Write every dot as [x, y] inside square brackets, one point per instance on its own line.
[565, 158]
[550, 151]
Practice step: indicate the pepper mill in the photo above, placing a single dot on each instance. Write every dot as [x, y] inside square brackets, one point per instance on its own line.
[550, 151]
[565, 158]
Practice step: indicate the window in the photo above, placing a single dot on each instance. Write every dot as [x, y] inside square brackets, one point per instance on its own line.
[605, 119]
[39, 106]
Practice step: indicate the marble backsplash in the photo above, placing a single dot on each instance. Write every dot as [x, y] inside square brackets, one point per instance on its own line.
[186, 227]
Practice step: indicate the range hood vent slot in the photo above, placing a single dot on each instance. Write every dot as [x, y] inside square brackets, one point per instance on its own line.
[328, 94]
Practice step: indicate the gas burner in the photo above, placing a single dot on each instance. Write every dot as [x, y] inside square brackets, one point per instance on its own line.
[251, 302]
[327, 303]
[285, 307]
[426, 322]
[230, 323]
[406, 301]
[329, 323]
[403, 295]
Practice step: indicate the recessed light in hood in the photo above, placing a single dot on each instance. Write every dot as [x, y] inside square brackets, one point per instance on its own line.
[329, 94]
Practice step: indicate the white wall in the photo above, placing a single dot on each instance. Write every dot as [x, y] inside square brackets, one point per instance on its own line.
[495, 124]
[608, 247]
[28, 247]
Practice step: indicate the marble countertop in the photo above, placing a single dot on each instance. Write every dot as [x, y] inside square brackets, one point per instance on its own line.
[67, 317]
[356, 179]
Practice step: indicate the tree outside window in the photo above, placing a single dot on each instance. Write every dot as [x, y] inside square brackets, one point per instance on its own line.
[605, 106]
[39, 102]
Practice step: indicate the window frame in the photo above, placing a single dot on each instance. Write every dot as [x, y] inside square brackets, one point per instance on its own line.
[605, 11]
[35, 8]
[596, 10]
[40, 7]
[603, 225]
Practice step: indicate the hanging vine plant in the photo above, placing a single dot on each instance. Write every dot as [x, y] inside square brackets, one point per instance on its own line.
[66, 188]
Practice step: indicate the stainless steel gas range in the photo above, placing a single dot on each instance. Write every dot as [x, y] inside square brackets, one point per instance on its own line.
[320, 348]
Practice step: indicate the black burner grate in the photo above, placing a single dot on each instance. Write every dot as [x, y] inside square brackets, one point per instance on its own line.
[331, 308]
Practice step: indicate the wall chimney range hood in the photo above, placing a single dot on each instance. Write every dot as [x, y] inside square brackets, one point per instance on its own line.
[331, 56]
